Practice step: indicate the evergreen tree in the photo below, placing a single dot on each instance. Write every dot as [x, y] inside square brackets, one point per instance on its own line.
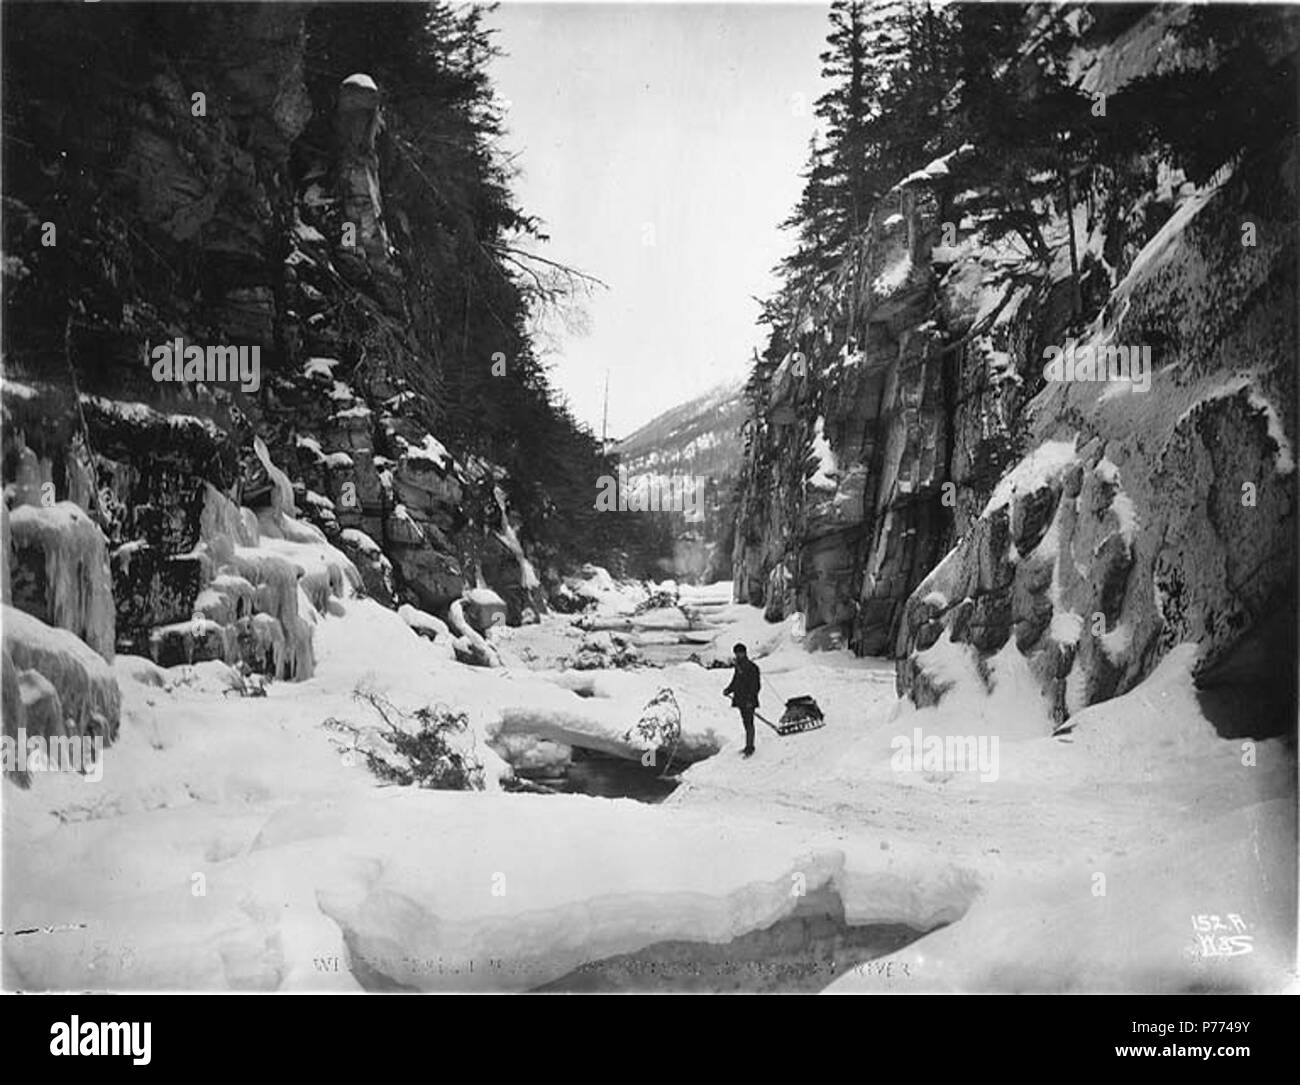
[462, 239]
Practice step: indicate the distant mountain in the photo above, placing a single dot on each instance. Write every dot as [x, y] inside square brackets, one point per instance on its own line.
[700, 438]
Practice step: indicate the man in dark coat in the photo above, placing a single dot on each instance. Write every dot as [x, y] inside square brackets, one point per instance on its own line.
[743, 691]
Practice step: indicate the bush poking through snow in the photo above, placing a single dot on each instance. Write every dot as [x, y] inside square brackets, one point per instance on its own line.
[246, 682]
[661, 596]
[602, 650]
[419, 747]
[660, 726]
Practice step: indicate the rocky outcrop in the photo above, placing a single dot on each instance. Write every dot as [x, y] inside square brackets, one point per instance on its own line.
[917, 488]
[852, 439]
[205, 196]
[1142, 519]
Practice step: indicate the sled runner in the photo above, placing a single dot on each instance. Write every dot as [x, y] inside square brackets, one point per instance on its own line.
[801, 714]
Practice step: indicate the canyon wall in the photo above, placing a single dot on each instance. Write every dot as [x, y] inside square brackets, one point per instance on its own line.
[916, 488]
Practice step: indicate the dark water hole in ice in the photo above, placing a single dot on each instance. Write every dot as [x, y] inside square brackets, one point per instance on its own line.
[592, 772]
[801, 953]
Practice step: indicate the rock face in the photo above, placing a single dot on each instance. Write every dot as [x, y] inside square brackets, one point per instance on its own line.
[851, 443]
[205, 196]
[1143, 519]
[915, 483]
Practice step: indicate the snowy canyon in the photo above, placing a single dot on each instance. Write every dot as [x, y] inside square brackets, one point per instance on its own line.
[377, 711]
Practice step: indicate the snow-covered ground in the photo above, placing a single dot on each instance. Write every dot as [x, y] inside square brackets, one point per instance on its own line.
[231, 844]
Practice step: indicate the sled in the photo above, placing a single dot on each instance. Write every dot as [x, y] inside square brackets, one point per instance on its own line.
[801, 714]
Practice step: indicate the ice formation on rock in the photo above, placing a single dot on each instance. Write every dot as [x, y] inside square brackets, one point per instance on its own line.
[281, 488]
[510, 540]
[87, 687]
[469, 641]
[78, 587]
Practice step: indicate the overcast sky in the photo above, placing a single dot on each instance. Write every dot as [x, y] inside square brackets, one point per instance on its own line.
[662, 146]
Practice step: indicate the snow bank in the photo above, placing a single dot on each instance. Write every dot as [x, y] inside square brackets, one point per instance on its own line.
[141, 670]
[497, 899]
[469, 639]
[536, 897]
[595, 587]
[1099, 894]
[1121, 924]
[305, 867]
[85, 683]
[421, 621]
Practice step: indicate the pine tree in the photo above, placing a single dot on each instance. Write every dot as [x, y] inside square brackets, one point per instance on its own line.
[461, 239]
[1029, 125]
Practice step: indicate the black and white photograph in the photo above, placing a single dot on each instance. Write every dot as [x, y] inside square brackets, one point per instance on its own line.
[649, 498]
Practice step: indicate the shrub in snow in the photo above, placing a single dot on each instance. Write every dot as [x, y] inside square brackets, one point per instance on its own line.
[604, 649]
[430, 747]
[660, 725]
[661, 596]
[564, 600]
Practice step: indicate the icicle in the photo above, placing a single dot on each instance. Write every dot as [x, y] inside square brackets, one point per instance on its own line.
[251, 533]
[78, 585]
[233, 598]
[80, 475]
[32, 479]
[191, 636]
[269, 642]
[273, 569]
[277, 525]
[281, 488]
[317, 585]
[510, 540]
[300, 660]
[222, 526]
